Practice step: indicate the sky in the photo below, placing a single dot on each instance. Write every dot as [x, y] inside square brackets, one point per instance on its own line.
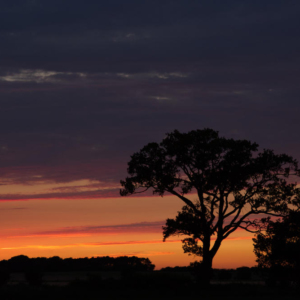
[85, 84]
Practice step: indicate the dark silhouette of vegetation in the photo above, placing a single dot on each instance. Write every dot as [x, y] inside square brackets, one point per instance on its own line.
[278, 249]
[223, 275]
[239, 274]
[35, 266]
[145, 285]
[170, 283]
[34, 277]
[4, 276]
[176, 269]
[243, 273]
[232, 184]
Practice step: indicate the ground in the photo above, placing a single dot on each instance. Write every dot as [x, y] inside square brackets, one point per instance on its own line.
[133, 286]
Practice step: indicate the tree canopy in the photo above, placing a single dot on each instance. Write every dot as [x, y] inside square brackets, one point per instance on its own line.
[224, 183]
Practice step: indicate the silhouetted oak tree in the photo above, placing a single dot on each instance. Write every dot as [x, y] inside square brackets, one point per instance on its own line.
[230, 181]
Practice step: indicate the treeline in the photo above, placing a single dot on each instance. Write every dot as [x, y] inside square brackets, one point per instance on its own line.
[242, 273]
[23, 263]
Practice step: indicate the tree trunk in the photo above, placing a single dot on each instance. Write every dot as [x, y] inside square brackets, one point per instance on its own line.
[204, 271]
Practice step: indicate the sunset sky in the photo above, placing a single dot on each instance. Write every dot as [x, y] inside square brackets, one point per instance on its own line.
[85, 84]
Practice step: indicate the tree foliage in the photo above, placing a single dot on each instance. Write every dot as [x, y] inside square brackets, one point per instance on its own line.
[277, 248]
[186, 223]
[228, 181]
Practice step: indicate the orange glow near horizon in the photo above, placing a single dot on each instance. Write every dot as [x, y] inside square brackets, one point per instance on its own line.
[106, 227]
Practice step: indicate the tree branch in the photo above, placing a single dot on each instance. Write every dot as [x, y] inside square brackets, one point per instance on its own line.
[186, 201]
[232, 223]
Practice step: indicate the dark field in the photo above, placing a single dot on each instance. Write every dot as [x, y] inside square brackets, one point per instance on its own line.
[154, 285]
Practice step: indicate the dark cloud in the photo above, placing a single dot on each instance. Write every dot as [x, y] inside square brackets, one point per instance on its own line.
[141, 227]
[84, 85]
[94, 35]
[67, 196]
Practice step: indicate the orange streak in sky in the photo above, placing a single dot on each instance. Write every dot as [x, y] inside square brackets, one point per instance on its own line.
[143, 254]
[106, 244]
[90, 244]
[62, 235]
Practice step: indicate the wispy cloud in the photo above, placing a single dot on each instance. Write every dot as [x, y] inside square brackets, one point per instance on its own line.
[161, 98]
[37, 187]
[52, 76]
[157, 75]
[39, 76]
[76, 231]
[100, 230]
[105, 193]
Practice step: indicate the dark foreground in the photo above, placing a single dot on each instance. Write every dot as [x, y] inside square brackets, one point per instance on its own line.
[144, 287]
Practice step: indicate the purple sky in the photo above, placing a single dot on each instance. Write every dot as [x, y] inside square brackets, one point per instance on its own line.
[85, 84]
